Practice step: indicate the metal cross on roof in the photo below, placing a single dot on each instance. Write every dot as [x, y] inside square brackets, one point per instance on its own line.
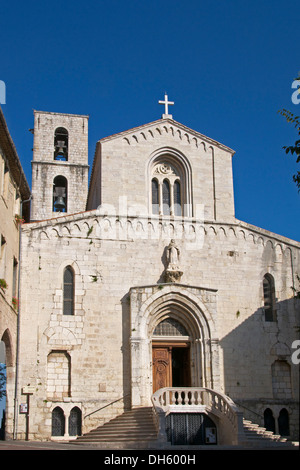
[166, 103]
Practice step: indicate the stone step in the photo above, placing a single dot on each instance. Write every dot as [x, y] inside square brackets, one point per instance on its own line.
[258, 436]
[135, 428]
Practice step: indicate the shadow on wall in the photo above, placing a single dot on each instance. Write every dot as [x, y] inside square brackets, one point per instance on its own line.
[261, 364]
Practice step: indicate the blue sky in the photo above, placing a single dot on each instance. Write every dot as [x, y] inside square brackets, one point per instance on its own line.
[227, 65]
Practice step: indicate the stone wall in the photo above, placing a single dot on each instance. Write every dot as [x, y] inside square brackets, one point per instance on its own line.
[112, 255]
[45, 168]
[122, 168]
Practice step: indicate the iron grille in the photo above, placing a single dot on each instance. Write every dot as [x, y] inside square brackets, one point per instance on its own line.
[58, 422]
[188, 428]
[75, 422]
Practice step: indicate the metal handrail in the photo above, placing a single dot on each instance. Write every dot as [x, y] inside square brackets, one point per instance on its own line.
[105, 406]
[248, 409]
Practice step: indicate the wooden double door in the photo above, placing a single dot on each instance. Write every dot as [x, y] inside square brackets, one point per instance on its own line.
[171, 365]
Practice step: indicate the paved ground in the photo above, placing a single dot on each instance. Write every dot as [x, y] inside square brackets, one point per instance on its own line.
[36, 445]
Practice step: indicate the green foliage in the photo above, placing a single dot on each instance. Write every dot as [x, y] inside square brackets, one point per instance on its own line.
[3, 284]
[295, 148]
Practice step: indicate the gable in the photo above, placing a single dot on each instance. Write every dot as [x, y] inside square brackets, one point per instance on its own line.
[168, 127]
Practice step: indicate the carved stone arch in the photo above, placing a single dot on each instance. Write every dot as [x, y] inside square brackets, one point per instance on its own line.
[260, 241]
[278, 253]
[222, 233]
[241, 235]
[65, 231]
[178, 133]
[231, 233]
[60, 336]
[194, 141]
[195, 309]
[176, 294]
[269, 245]
[287, 253]
[181, 170]
[250, 237]
[85, 228]
[187, 137]
[43, 235]
[53, 234]
[212, 231]
[9, 355]
[75, 230]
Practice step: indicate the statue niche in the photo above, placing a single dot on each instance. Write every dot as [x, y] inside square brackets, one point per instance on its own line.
[173, 272]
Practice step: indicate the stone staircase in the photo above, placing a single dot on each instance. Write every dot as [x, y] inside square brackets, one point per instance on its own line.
[258, 437]
[136, 429]
[133, 429]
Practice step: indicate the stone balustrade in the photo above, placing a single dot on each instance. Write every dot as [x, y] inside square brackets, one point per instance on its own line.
[224, 412]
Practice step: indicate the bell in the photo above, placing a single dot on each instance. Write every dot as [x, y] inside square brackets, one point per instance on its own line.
[60, 144]
[59, 204]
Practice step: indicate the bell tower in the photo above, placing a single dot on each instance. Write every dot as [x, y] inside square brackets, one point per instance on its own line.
[59, 165]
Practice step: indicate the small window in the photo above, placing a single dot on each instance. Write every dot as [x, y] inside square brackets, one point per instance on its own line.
[170, 327]
[75, 422]
[283, 423]
[61, 141]
[166, 198]
[269, 298]
[269, 421]
[15, 277]
[58, 422]
[68, 302]
[177, 198]
[155, 197]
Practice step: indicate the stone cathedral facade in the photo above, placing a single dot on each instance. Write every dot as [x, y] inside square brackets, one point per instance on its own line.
[145, 279]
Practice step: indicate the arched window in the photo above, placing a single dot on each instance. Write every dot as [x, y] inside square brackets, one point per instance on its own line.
[170, 327]
[269, 298]
[283, 423]
[68, 291]
[269, 421]
[177, 198]
[170, 187]
[58, 422]
[60, 194]
[61, 143]
[155, 196]
[166, 197]
[75, 422]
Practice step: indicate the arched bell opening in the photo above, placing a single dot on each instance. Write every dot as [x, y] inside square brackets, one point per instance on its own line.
[60, 194]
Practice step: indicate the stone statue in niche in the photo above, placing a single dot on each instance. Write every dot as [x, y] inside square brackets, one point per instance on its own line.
[173, 272]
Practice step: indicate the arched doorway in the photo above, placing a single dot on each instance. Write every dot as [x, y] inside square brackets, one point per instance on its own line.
[197, 346]
[2, 390]
[170, 355]
[7, 379]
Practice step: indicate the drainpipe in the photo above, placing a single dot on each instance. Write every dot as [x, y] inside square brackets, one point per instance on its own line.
[15, 421]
